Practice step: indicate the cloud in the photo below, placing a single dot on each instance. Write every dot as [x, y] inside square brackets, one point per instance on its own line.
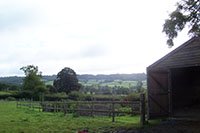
[90, 36]
[11, 19]
[17, 14]
[94, 51]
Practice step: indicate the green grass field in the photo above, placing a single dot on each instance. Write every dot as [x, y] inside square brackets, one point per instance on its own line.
[125, 84]
[22, 120]
[5, 93]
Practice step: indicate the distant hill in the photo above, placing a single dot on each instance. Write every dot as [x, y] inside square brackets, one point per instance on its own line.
[84, 77]
[124, 77]
[15, 80]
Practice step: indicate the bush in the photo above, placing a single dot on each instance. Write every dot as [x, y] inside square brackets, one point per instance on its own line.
[10, 98]
[40, 89]
[107, 97]
[51, 89]
[88, 97]
[132, 97]
[75, 115]
[56, 97]
[24, 94]
[75, 95]
[6, 94]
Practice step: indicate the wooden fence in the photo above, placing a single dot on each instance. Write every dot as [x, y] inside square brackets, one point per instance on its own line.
[90, 108]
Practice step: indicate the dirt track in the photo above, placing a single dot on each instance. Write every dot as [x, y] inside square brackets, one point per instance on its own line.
[171, 126]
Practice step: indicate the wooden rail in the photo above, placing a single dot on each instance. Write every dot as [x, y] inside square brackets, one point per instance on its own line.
[90, 108]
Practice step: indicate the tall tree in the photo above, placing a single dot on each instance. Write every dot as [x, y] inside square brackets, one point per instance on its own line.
[66, 81]
[33, 80]
[187, 13]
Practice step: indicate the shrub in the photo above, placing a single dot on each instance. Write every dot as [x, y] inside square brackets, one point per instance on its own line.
[75, 95]
[75, 114]
[56, 97]
[5, 95]
[88, 98]
[25, 94]
[10, 98]
[132, 97]
[51, 89]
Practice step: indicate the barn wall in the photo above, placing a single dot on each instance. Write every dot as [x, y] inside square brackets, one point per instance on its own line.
[158, 98]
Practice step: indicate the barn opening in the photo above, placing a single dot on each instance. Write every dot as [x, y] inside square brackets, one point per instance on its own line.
[185, 84]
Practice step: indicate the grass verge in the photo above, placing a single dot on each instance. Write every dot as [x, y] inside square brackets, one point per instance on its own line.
[19, 120]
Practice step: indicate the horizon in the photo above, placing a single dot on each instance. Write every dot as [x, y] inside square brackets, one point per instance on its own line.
[76, 74]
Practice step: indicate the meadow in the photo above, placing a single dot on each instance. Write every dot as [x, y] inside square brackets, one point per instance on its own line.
[115, 83]
[23, 120]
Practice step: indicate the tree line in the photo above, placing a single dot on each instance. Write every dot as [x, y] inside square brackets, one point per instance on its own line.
[16, 80]
[34, 87]
[66, 81]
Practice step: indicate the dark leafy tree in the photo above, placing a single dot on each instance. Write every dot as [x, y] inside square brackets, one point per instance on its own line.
[186, 13]
[66, 81]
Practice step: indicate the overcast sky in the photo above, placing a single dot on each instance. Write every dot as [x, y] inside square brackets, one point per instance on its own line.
[89, 36]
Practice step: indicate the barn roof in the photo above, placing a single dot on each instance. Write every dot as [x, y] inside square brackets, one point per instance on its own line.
[172, 57]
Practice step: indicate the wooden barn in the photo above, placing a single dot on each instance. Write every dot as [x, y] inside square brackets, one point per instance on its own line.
[173, 82]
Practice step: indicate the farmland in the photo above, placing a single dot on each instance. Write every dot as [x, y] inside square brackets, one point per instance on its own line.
[21, 120]
[103, 83]
[100, 88]
[84, 78]
[115, 83]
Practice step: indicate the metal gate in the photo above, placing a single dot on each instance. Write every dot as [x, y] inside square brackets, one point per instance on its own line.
[158, 94]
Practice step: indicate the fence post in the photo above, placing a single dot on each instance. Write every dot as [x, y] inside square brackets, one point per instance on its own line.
[92, 108]
[54, 107]
[46, 107]
[41, 106]
[142, 109]
[17, 103]
[65, 107]
[30, 104]
[113, 111]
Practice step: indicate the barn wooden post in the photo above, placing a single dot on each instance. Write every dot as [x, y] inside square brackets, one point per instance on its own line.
[170, 92]
[142, 109]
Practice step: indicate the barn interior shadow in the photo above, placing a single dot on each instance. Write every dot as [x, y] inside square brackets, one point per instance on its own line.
[185, 83]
